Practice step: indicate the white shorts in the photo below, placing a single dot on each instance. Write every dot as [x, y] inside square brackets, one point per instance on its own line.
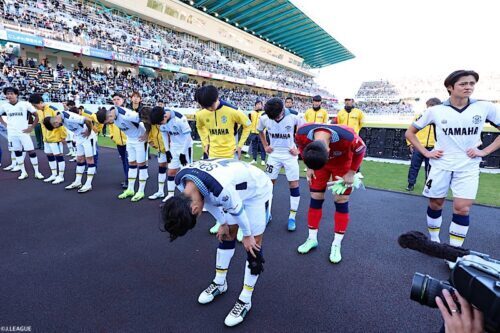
[87, 147]
[258, 213]
[54, 148]
[463, 184]
[21, 142]
[136, 151]
[276, 162]
[70, 136]
[162, 158]
[176, 162]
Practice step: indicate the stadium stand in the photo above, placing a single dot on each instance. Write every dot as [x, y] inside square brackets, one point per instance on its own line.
[378, 91]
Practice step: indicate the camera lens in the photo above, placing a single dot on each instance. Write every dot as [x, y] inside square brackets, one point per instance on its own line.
[425, 288]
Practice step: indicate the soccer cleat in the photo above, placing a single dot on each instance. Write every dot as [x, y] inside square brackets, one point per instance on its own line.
[215, 228]
[69, 153]
[410, 187]
[169, 195]
[85, 188]
[335, 256]
[16, 168]
[247, 156]
[50, 179]
[125, 194]
[9, 167]
[137, 197]
[253, 161]
[262, 163]
[307, 246]
[73, 159]
[157, 195]
[38, 175]
[73, 185]
[239, 235]
[211, 292]
[238, 313]
[291, 224]
[23, 175]
[58, 180]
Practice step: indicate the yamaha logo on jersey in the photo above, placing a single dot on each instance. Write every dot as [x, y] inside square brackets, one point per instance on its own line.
[476, 119]
[224, 119]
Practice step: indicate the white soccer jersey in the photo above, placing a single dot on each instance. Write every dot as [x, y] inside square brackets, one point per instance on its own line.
[457, 131]
[229, 184]
[281, 133]
[176, 132]
[130, 123]
[74, 123]
[17, 116]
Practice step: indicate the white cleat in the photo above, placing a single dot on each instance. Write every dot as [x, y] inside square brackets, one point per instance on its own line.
[157, 195]
[50, 179]
[9, 167]
[238, 313]
[253, 161]
[73, 185]
[23, 175]
[169, 195]
[16, 168]
[262, 163]
[211, 292]
[58, 180]
[38, 175]
[73, 159]
[85, 188]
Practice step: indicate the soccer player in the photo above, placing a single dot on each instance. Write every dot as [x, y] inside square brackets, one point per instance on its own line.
[316, 114]
[85, 144]
[350, 116]
[120, 139]
[18, 130]
[456, 157]
[53, 140]
[96, 127]
[70, 140]
[3, 132]
[244, 193]
[255, 141]
[216, 124]
[130, 123]
[426, 136]
[329, 152]
[176, 135]
[280, 124]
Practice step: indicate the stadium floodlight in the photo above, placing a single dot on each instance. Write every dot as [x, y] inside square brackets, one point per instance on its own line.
[204, 9]
[227, 20]
[216, 14]
[191, 2]
[236, 24]
[253, 32]
[245, 28]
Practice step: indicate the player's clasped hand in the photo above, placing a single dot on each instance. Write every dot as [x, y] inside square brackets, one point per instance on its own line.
[467, 319]
[86, 133]
[250, 245]
[473, 152]
[310, 175]
[28, 129]
[143, 137]
[294, 151]
[434, 154]
[269, 149]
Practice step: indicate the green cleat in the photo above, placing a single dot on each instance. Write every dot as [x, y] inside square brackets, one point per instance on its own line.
[308, 246]
[215, 228]
[137, 197]
[335, 256]
[125, 194]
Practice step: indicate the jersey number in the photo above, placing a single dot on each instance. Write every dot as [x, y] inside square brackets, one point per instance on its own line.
[429, 184]
[269, 168]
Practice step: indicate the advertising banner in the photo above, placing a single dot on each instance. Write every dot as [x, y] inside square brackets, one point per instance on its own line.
[22, 38]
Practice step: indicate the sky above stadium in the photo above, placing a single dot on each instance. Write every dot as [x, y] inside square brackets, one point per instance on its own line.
[395, 39]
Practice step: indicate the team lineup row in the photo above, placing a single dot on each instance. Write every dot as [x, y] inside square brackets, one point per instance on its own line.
[239, 196]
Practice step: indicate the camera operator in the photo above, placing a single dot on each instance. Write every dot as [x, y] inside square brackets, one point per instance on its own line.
[467, 319]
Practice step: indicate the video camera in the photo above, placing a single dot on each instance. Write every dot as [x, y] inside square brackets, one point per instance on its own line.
[475, 276]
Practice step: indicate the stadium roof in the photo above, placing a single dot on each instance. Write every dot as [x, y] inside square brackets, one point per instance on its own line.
[281, 23]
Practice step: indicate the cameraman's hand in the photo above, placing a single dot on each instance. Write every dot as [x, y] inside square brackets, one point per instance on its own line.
[466, 320]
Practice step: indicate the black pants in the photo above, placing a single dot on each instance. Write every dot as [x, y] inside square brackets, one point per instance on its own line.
[38, 136]
[416, 162]
[122, 150]
[256, 145]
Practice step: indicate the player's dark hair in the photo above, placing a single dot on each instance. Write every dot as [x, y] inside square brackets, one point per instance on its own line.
[317, 98]
[206, 96]
[177, 217]
[315, 155]
[11, 89]
[101, 115]
[70, 103]
[288, 99]
[48, 124]
[74, 109]
[433, 101]
[156, 115]
[456, 75]
[136, 93]
[273, 107]
[35, 99]
[144, 115]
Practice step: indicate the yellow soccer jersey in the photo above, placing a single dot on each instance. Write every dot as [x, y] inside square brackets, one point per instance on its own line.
[56, 135]
[96, 126]
[320, 116]
[217, 129]
[254, 118]
[117, 135]
[353, 119]
[156, 139]
[425, 135]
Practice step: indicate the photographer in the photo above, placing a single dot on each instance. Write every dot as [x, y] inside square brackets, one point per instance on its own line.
[467, 319]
